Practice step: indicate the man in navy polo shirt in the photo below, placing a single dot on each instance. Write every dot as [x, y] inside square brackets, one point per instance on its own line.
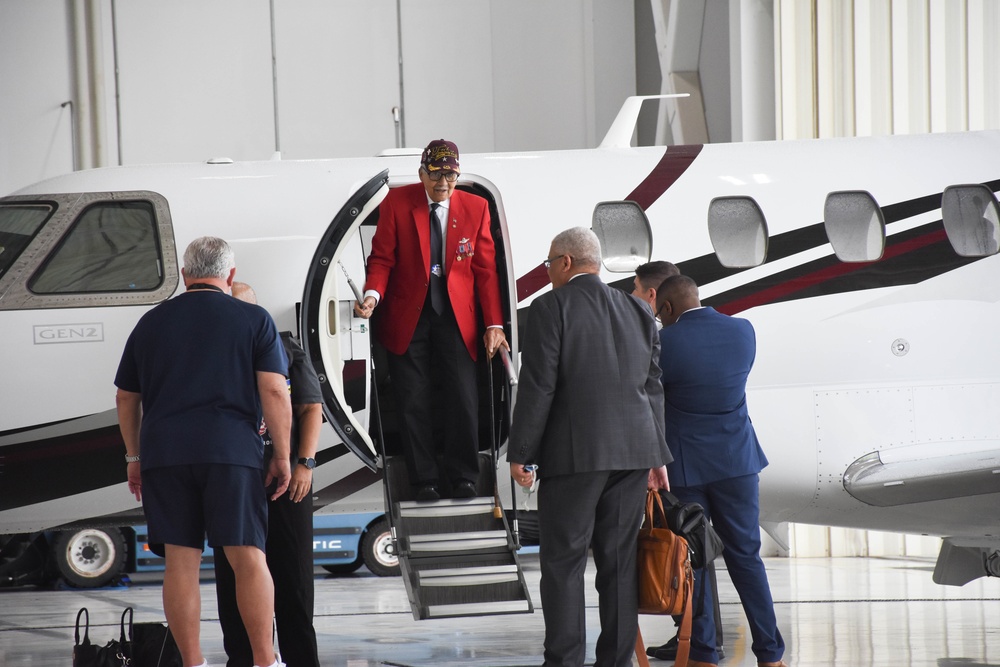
[197, 374]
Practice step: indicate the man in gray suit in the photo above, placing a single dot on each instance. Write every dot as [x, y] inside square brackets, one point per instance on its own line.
[589, 414]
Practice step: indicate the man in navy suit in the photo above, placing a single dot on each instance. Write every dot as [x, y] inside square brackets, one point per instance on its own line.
[589, 414]
[705, 358]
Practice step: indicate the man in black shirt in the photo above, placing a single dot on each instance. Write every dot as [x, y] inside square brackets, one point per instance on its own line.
[289, 530]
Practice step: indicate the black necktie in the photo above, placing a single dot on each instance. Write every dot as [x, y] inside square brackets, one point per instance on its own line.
[438, 285]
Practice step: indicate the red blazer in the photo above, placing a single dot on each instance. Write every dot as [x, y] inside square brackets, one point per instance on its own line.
[399, 266]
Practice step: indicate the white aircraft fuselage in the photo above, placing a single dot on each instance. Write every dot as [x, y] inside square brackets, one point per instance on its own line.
[875, 386]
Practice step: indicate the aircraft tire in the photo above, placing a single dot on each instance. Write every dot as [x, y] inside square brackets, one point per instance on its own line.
[376, 545]
[343, 568]
[89, 557]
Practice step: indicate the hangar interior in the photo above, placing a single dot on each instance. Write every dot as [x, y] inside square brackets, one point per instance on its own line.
[92, 83]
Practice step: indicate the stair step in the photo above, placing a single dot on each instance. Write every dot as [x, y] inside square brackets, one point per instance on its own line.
[479, 608]
[443, 508]
[468, 576]
[456, 555]
[487, 539]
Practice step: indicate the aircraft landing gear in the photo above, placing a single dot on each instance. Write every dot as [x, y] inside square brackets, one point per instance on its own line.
[89, 557]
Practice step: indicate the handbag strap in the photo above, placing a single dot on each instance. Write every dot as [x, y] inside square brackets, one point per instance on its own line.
[127, 612]
[652, 495]
[684, 633]
[163, 648]
[640, 649]
[86, 627]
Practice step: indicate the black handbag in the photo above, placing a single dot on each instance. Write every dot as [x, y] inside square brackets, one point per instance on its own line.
[150, 644]
[85, 654]
[689, 521]
[138, 645]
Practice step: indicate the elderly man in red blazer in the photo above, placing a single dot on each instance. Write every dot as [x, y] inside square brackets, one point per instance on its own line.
[432, 275]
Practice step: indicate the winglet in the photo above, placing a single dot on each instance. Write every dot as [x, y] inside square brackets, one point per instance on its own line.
[620, 133]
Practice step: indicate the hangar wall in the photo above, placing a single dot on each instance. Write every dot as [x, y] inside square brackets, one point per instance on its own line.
[878, 67]
[194, 79]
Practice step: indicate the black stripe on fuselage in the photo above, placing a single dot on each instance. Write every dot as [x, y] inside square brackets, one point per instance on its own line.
[41, 470]
[50, 468]
[909, 257]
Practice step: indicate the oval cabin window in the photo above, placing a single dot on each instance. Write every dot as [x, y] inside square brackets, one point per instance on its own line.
[854, 225]
[738, 232]
[971, 219]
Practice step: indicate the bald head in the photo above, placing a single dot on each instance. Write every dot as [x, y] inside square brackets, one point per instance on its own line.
[676, 295]
[244, 292]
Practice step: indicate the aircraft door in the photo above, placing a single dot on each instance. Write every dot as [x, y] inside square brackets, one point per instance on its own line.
[336, 342]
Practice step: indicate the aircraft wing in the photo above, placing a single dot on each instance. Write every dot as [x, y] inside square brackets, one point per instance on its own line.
[914, 477]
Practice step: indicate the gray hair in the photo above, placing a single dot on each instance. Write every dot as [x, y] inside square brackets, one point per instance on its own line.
[581, 244]
[208, 257]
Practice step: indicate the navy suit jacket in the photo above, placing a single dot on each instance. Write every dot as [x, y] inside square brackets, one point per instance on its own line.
[705, 358]
[589, 396]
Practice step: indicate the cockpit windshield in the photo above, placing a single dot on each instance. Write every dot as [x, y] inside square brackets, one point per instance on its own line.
[111, 247]
[18, 225]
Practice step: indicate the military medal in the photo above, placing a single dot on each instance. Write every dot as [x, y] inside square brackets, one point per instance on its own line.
[464, 250]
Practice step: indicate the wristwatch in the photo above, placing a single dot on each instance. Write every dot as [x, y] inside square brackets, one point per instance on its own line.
[308, 462]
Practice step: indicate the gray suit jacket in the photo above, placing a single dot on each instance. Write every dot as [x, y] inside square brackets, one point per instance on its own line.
[589, 396]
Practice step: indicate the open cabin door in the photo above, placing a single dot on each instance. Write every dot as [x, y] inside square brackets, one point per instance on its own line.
[337, 343]
[457, 556]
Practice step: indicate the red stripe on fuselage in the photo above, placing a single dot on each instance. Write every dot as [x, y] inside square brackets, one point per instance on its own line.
[531, 282]
[839, 269]
[675, 161]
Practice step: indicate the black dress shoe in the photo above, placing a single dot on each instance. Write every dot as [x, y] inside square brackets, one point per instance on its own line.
[668, 651]
[428, 492]
[463, 489]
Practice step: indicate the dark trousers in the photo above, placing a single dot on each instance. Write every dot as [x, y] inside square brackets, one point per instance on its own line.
[601, 510]
[733, 505]
[437, 352]
[290, 560]
[698, 604]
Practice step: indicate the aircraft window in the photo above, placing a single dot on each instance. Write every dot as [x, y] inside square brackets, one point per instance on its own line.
[18, 225]
[971, 219]
[625, 236]
[111, 247]
[854, 226]
[738, 231]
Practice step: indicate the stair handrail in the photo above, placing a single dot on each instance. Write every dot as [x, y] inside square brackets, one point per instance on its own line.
[376, 410]
[508, 365]
[495, 430]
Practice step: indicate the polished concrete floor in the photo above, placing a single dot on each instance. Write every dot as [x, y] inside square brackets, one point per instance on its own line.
[847, 612]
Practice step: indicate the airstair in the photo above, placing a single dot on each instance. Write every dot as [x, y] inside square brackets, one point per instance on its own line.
[458, 557]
